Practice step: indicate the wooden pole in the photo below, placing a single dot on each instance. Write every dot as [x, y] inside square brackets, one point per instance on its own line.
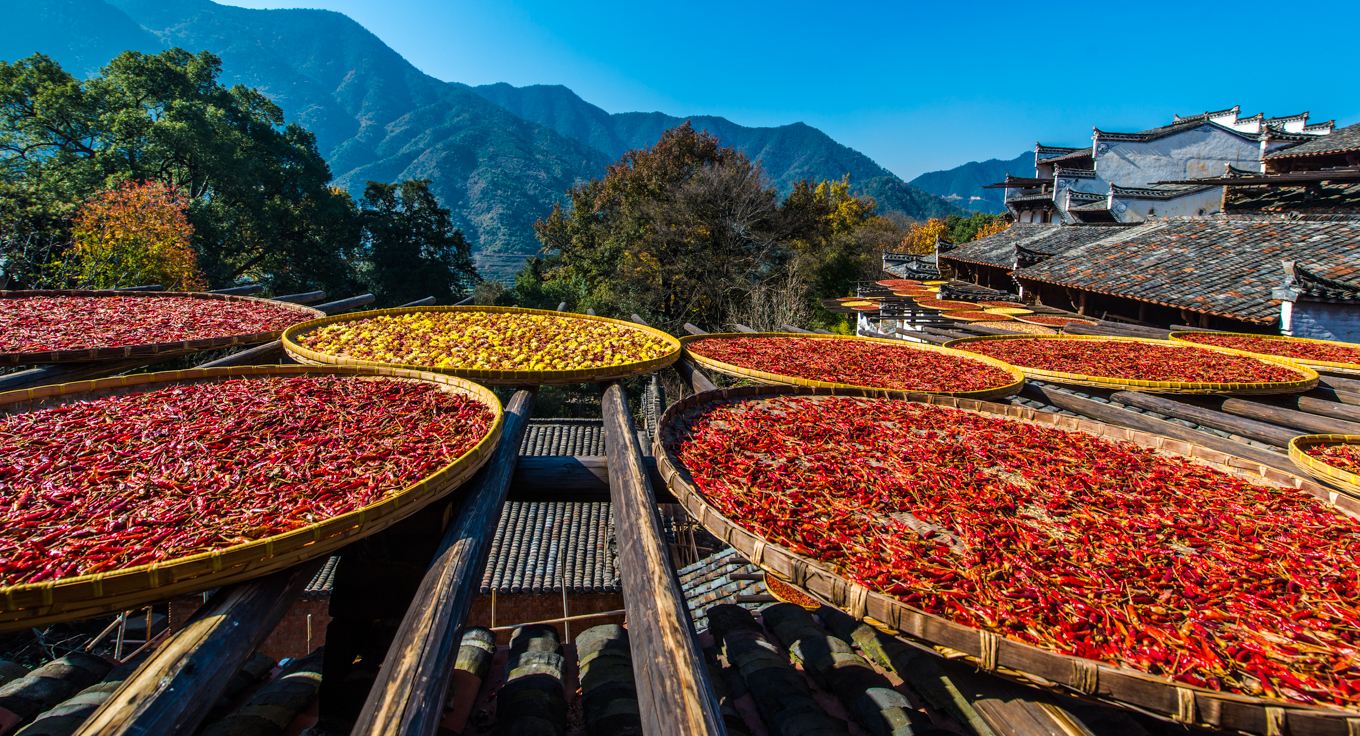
[1133, 420]
[1303, 421]
[408, 695]
[241, 290]
[1250, 428]
[674, 694]
[739, 327]
[171, 691]
[304, 297]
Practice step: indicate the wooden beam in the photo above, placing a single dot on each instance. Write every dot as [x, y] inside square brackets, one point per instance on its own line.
[242, 290]
[172, 691]
[1250, 428]
[794, 328]
[1133, 420]
[409, 693]
[572, 478]
[739, 327]
[1321, 407]
[1304, 422]
[694, 330]
[304, 297]
[465, 301]
[1339, 383]
[674, 694]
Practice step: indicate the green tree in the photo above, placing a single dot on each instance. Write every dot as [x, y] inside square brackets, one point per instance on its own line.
[260, 201]
[410, 247]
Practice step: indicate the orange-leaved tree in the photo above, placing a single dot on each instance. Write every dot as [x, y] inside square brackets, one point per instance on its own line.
[135, 233]
[994, 227]
[920, 238]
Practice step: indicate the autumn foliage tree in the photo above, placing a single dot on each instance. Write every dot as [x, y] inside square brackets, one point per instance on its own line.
[136, 233]
[921, 237]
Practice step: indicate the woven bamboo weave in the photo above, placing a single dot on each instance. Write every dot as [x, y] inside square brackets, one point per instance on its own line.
[1322, 366]
[495, 377]
[151, 350]
[26, 605]
[1009, 389]
[1308, 378]
[1343, 479]
[1022, 663]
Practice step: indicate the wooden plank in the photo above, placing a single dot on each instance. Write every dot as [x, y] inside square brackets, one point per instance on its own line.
[1339, 383]
[794, 328]
[739, 327]
[411, 687]
[170, 692]
[1133, 420]
[674, 694]
[924, 336]
[1302, 421]
[1250, 428]
[573, 478]
[1327, 393]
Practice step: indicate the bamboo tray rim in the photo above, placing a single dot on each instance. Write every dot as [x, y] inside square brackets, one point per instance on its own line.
[147, 350]
[78, 596]
[1023, 663]
[965, 306]
[485, 375]
[1344, 479]
[1339, 367]
[1309, 377]
[736, 371]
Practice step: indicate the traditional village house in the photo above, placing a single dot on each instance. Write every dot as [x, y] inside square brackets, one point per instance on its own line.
[1118, 178]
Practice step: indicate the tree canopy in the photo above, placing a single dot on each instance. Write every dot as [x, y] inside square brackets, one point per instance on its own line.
[260, 201]
[690, 231]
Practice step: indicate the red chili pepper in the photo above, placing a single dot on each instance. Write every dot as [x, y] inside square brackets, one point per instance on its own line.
[1063, 540]
[40, 323]
[123, 480]
[1146, 361]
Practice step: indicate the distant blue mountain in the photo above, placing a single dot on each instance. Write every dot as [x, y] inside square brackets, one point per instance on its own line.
[962, 185]
[498, 156]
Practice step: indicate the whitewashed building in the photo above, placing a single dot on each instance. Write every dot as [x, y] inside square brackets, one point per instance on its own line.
[1116, 178]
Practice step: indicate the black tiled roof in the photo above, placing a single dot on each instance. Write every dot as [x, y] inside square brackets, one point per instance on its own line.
[564, 437]
[1080, 154]
[539, 546]
[1302, 281]
[1224, 267]
[1345, 140]
[323, 581]
[1339, 197]
[1160, 191]
[999, 250]
[722, 577]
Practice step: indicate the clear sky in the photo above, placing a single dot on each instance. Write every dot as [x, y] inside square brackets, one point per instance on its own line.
[915, 85]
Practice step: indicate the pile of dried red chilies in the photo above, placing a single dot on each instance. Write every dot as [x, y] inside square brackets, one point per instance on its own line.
[1063, 540]
[1144, 361]
[1340, 455]
[34, 324]
[113, 482]
[857, 362]
[1284, 347]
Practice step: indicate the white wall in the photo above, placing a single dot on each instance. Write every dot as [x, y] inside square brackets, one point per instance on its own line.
[1127, 209]
[1322, 321]
[1197, 152]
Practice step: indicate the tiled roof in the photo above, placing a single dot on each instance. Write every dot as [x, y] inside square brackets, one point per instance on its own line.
[1080, 154]
[1041, 149]
[722, 577]
[1046, 198]
[999, 250]
[323, 581]
[1161, 191]
[564, 437]
[539, 546]
[1307, 197]
[1072, 172]
[1302, 281]
[1345, 140]
[1224, 267]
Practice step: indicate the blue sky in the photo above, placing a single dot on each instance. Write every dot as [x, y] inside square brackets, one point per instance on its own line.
[916, 86]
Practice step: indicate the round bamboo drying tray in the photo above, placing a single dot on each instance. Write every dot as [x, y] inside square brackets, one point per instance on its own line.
[1343, 479]
[33, 604]
[1012, 311]
[1323, 366]
[970, 315]
[149, 350]
[496, 377]
[1308, 378]
[945, 305]
[1022, 663]
[736, 371]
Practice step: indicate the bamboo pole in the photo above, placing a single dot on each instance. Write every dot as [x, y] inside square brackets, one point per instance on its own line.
[170, 692]
[409, 693]
[241, 290]
[674, 694]
[1250, 428]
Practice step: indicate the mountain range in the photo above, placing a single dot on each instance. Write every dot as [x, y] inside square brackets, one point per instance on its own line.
[498, 156]
[963, 185]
